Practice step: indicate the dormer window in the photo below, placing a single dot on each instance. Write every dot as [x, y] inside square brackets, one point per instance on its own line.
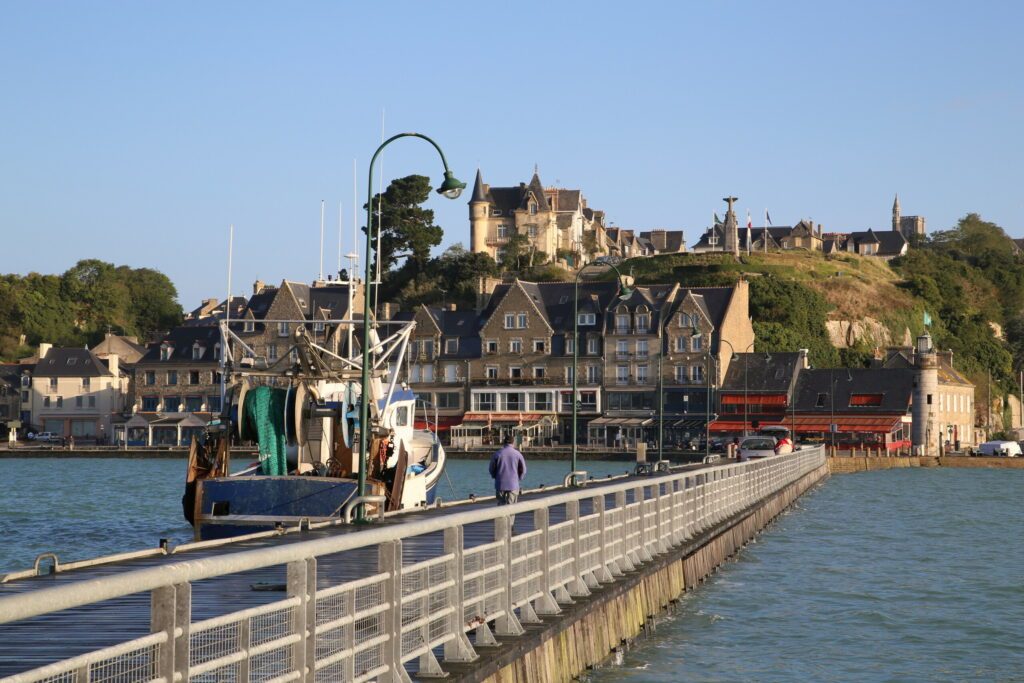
[685, 320]
[282, 329]
[249, 326]
[166, 351]
[495, 212]
[587, 319]
[533, 208]
[197, 351]
[318, 326]
[72, 361]
[451, 346]
[216, 351]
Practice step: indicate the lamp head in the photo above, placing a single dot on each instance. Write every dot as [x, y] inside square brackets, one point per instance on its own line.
[695, 333]
[451, 187]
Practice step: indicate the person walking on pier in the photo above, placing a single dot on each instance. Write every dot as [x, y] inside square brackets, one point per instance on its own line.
[508, 467]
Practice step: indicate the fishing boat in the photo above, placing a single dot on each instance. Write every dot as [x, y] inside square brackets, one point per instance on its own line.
[302, 411]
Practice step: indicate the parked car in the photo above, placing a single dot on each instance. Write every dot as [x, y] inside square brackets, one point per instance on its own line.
[47, 436]
[1010, 449]
[756, 447]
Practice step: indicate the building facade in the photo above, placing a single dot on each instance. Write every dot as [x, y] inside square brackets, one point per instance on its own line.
[74, 394]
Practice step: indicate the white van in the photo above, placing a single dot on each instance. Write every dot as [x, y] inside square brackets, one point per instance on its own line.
[1010, 449]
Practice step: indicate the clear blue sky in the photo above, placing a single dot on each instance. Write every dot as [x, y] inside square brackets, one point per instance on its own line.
[136, 133]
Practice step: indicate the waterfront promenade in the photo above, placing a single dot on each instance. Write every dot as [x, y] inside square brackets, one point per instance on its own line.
[419, 593]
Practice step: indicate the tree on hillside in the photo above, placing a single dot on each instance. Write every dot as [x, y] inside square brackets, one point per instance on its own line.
[407, 229]
[153, 304]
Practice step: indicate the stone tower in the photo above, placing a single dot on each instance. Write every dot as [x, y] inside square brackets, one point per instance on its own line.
[731, 227]
[925, 437]
[896, 215]
[478, 206]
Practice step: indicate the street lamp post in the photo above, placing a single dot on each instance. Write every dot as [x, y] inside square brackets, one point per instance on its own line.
[624, 293]
[451, 188]
[745, 389]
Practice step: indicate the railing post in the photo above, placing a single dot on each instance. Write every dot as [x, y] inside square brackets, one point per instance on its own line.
[508, 624]
[389, 561]
[302, 585]
[458, 649]
[602, 573]
[171, 611]
[577, 588]
[546, 603]
[642, 552]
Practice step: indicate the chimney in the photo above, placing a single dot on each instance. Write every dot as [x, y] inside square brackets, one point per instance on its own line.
[804, 364]
[450, 307]
[258, 286]
[44, 348]
[113, 364]
[484, 288]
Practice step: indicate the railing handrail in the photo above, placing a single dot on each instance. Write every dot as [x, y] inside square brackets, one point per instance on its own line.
[46, 600]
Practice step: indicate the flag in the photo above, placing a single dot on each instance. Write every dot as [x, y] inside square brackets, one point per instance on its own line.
[717, 219]
[750, 223]
[767, 217]
[927, 319]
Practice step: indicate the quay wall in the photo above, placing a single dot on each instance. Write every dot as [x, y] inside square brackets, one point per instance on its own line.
[860, 463]
[587, 632]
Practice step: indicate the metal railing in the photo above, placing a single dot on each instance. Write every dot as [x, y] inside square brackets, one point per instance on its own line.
[412, 613]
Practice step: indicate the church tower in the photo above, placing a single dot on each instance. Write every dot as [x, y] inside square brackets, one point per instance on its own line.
[896, 215]
[478, 208]
[731, 227]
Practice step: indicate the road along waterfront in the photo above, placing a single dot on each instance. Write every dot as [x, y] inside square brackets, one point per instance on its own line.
[901, 575]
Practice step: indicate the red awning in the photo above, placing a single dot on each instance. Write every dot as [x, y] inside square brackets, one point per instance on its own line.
[881, 424]
[504, 417]
[754, 399]
[866, 399]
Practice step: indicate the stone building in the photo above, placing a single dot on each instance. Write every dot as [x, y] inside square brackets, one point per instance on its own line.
[884, 245]
[556, 221]
[176, 389]
[75, 394]
[911, 227]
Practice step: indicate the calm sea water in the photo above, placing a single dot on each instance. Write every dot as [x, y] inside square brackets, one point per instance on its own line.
[904, 575]
[81, 508]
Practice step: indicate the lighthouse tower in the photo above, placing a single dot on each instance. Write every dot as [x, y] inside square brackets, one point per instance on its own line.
[925, 437]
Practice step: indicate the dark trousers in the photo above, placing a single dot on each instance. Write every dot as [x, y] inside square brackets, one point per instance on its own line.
[508, 498]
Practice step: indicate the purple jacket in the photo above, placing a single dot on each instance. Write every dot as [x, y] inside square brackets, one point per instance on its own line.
[508, 467]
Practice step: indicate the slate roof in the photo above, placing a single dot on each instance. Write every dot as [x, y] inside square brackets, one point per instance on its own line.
[537, 188]
[567, 200]
[714, 301]
[890, 242]
[555, 300]
[674, 239]
[71, 363]
[895, 385]
[774, 373]
[10, 374]
[655, 297]
[259, 304]
[183, 339]
[331, 300]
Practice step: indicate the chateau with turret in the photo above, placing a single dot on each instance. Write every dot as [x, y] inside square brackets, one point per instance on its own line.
[556, 222]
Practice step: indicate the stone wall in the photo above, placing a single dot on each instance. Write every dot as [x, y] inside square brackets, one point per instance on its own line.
[858, 463]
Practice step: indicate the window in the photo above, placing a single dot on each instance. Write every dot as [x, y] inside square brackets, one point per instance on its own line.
[213, 403]
[510, 321]
[521, 321]
[570, 345]
[532, 231]
[24, 397]
[172, 377]
[271, 351]
[486, 401]
[586, 319]
[60, 401]
[592, 346]
[448, 400]
[538, 372]
[538, 346]
[319, 327]
[697, 373]
[491, 345]
[172, 404]
[428, 372]
[541, 401]
[568, 374]
[451, 374]
[150, 404]
[282, 329]
[79, 401]
[491, 372]
[696, 343]
[249, 326]
[643, 322]
[86, 383]
[92, 401]
[166, 351]
[641, 348]
[428, 348]
[685, 320]
[451, 346]
[150, 378]
[197, 352]
[193, 404]
[294, 355]
[515, 345]
[820, 403]
[514, 402]
[402, 416]
[515, 372]
[588, 400]
[641, 374]
[414, 349]
[593, 375]
[622, 348]
[621, 322]
[502, 231]
[193, 377]
[46, 401]
[495, 212]
[53, 384]
[533, 208]
[26, 381]
[621, 374]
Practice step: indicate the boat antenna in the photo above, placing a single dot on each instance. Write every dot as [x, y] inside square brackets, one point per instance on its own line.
[227, 318]
[380, 215]
[339, 237]
[321, 240]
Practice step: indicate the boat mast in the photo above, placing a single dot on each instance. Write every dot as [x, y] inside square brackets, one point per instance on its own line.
[227, 320]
